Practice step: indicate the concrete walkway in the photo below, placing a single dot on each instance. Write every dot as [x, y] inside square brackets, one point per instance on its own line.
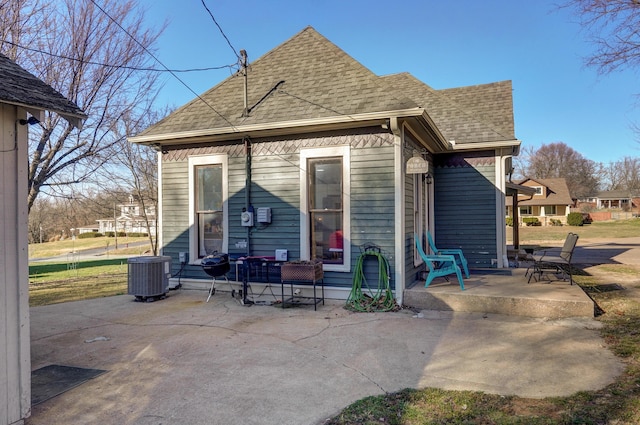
[183, 361]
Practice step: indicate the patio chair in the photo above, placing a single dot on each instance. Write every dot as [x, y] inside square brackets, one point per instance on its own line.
[456, 252]
[554, 261]
[439, 265]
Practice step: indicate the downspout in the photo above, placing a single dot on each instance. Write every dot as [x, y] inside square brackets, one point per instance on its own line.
[503, 260]
[399, 253]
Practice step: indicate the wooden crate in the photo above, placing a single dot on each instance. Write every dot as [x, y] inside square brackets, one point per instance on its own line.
[302, 271]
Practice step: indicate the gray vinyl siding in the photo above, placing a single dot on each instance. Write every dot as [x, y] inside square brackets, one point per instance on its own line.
[465, 212]
[277, 190]
[275, 177]
[175, 209]
[372, 208]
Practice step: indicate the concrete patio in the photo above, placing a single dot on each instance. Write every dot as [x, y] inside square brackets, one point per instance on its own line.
[184, 361]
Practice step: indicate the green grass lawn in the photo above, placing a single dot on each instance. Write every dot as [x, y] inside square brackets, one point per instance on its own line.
[597, 229]
[52, 249]
[51, 283]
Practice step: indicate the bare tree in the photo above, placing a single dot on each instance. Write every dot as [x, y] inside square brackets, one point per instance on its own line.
[623, 175]
[558, 160]
[93, 57]
[612, 27]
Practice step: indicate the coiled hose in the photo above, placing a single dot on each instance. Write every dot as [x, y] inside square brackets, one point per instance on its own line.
[367, 301]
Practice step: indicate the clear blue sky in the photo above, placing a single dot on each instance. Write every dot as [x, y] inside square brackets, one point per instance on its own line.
[443, 43]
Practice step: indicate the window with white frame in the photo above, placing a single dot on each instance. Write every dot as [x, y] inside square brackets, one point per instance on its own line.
[538, 190]
[550, 210]
[325, 207]
[525, 210]
[207, 205]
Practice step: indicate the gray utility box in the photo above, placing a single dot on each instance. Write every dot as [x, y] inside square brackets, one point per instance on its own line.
[149, 276]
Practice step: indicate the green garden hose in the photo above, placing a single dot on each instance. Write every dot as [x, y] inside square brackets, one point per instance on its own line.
[383, 299]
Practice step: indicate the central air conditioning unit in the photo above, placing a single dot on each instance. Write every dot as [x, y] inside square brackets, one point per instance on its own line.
[148, 277]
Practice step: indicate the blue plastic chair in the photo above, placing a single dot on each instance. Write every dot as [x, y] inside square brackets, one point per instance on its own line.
[439, 265]
[456, 252]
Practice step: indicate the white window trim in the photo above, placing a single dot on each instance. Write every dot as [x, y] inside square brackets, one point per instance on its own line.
[306, 154]
[193, 236]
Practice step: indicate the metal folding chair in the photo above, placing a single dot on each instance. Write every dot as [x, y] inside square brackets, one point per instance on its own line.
[554, 261]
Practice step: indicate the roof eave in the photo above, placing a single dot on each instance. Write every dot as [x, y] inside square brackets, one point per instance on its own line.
[280, 128]
[513, 188]
[514, 144]
[38, 110]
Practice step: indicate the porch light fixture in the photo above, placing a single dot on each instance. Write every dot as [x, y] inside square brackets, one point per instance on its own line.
[31, 121]
[428, 179]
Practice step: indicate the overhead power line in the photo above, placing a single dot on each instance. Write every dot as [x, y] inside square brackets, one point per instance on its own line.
[133, 68]
[162, 64]
[220, 28]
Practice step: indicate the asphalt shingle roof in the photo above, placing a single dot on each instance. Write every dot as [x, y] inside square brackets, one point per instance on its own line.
[308, 77]
[19, 87]
[557, 194]
[465, 114]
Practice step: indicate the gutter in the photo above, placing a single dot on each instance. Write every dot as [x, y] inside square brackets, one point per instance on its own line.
[514, 143]
[275, 128]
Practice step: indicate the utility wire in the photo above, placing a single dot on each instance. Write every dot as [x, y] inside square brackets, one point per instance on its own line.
[133, 68]
[163, 65]
[219, 28]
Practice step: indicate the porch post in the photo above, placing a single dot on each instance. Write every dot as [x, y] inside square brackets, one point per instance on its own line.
[516, 223]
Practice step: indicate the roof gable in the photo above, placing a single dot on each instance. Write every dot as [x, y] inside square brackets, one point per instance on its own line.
[557, 192]
[306, 77]
[19, 87]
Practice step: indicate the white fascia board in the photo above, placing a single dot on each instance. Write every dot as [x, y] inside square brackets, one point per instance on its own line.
[514, 144]
[74, 119]
[276, 128]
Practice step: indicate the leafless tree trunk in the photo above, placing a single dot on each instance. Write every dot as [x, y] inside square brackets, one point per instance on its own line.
[87, 56]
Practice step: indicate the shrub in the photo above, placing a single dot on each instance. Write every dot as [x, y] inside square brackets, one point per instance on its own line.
[531, 221]
[510, 221]
[555, 222]
[137, 235]
[112, 234]
[575, 219]
[89, 235]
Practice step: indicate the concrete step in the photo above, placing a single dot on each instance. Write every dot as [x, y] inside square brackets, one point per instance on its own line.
[502, 291]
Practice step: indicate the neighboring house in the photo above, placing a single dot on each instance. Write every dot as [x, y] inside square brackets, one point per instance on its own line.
[551, 201]
[20, 93]
[131, 219]
[87, 229]
[324, 143]
[625, 200]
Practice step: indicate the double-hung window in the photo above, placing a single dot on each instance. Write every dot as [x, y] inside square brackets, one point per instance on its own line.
[325, 207]
[207, 205]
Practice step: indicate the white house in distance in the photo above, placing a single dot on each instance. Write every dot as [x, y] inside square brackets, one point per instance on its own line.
[23, 101]
[131, 219]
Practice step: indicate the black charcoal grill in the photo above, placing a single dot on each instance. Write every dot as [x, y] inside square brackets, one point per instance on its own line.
[216, 265]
